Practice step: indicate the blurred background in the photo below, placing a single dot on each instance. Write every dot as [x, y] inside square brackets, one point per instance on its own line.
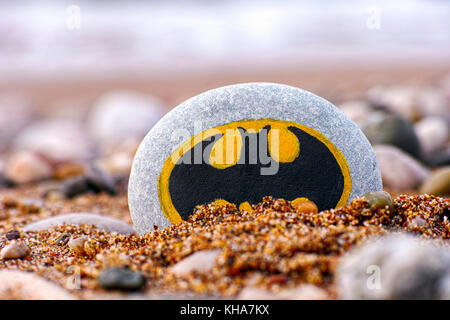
[83, 81]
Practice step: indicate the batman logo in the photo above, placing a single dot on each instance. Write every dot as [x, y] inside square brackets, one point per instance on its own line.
[243, 161]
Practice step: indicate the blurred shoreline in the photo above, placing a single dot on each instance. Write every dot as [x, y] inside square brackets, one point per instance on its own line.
[334, 79]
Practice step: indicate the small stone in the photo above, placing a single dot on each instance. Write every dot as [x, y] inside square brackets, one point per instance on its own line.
[95, 181]
[20, 285]
[401, 100]
[68, 170]
[63, 239]
[379, 200]
[438, 183]
[303, 205]
[433, 103]
[393, 130]
[117, 164]
[318, 147]
[15, 250]
[12, 235]
[121, 278]
[394, 267]
[77, 244]
[417, 222]
[433, 134]
[30, 206]
[55, 140]
[101, 222]
[25, 167]
[200, 261]
[399, 171]
[440, 158]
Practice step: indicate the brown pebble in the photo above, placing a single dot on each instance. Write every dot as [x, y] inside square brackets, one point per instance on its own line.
[304, 205]
[30, 206]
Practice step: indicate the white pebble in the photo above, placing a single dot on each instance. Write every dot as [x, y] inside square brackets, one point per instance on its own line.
[15, 250]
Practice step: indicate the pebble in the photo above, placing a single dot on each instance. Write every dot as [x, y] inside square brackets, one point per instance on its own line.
[440, 158]
[399, 171]
[121, 278]
[434, 103]
[122, 115]
[77, 244]
[12, 235]
[393, 130]
[55, 140]
[95, 181]
[379, 200]
[438, 183]
[15, 250]
[30, 206]
[26, 167]
[401, 100]
[101, 222]
[22, 285]
[433, 134]
[117, 164]
[200, 261]
[63, 239]
[394, 267]
[303, 205]
[252, 104]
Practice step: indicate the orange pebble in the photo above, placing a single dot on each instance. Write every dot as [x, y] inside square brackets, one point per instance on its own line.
[304, 205]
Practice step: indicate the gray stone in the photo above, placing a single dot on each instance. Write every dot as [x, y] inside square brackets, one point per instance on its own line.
[101, 222]
[394, 267]
[393, 130]
[252, 101]
[121, 278]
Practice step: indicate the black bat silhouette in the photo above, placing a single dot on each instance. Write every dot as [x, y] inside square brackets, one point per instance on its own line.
[314, 174]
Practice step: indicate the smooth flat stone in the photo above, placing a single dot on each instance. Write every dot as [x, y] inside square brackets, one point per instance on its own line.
[22, 285]
[321, 154]
[101, 222]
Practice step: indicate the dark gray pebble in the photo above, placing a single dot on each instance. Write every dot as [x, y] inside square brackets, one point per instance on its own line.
[121, 278]
[12, 234]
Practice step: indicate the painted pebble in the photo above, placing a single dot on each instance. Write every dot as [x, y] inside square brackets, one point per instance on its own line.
[240, 143]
